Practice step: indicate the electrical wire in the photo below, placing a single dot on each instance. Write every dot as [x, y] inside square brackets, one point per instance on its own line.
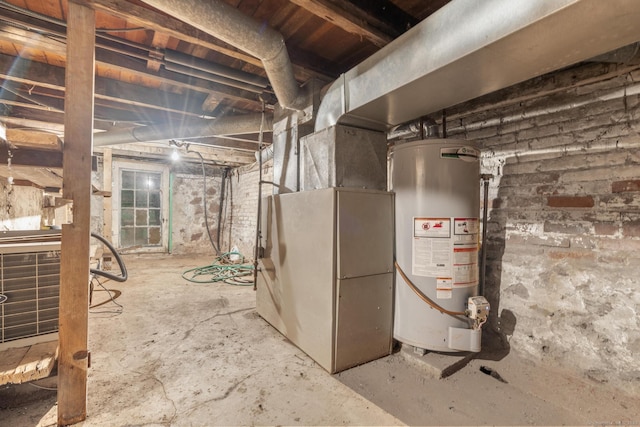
[112, 299]
[204, 202]
[425, 298]
[223, 269]
[43, 388]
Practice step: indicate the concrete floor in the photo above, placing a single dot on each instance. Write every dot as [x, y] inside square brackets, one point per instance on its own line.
[186, 354]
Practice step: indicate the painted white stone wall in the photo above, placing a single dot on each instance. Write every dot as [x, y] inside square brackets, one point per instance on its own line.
[20, 207]
[189, 231]
[564, 220]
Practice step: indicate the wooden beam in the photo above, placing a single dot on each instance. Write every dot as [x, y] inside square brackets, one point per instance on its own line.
[329, 11]
[31, 157]
[382, 14]
[223, 156]
[158, 43]
[52, 77]
[181, 31]
[34, 139]
[107, 165]
[74, 258]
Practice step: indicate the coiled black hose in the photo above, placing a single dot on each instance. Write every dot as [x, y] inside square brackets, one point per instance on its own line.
[123, 270]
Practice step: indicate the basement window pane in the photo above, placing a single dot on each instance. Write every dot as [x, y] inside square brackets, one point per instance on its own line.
[141, 208]
[141, 217]
[127, 198]
[154, 216]
[126, 217]
[154, 181]
[142, 181]
[154, 235]
[128, 179]
[141, 236]
[141, 199]
[126, 236]
[154, 199]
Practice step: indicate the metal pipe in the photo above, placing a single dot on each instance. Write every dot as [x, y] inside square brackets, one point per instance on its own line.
[229, 125]
[256, 253]
[444, 123]
[175, 57]
[193, 72]
[170, 239]
[264, 154]
[225, 172]
[228, 24]
[425, 128]
[485, 208]
[610, 95]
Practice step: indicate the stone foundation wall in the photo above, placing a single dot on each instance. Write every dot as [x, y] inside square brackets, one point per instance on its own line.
[564, 219]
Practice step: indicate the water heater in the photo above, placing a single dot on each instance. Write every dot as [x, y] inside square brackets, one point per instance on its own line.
[436, 182]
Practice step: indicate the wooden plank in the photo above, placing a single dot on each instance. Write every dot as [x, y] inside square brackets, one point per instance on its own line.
[107, 202]
[34, 139]
[75, 249]
[345, 20]
[36, 158]
[9, 360]
[37, 363]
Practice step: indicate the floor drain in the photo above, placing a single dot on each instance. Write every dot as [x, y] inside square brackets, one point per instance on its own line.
[492, 373]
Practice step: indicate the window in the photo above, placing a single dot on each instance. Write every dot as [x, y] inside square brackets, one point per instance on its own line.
[140, 208]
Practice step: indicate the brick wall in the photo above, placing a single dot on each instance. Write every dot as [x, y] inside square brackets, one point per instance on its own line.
[564, 219]
[241, 207]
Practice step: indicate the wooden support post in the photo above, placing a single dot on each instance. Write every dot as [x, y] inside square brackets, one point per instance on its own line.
[74, 259]
[107, 206]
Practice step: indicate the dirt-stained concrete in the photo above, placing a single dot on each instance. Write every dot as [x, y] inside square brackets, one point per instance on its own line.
[186, 354]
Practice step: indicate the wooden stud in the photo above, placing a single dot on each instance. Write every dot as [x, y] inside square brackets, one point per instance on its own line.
[74, 259]
[107, 207]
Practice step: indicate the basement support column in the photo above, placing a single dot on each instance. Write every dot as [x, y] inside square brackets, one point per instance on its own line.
[74, 260]
[107, 205]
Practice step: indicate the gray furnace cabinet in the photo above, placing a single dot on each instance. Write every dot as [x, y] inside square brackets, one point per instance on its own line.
[326, 278]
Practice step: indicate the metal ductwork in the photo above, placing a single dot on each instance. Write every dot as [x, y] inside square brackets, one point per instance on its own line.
[425, 128]
[468, 49]
[228, 24]
[230, 125]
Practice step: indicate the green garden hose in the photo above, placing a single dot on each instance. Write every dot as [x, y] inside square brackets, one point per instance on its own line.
[223, 269]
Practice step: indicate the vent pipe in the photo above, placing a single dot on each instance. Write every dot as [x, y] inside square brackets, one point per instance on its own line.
[230, 125]
[429, 129]
[228, 24]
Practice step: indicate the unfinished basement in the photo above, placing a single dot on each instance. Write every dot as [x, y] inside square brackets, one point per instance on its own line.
[319, 212]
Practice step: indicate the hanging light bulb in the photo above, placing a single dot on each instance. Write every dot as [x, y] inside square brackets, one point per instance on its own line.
[175, 156]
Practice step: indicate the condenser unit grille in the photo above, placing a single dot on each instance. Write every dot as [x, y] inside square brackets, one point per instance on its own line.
[30, 281]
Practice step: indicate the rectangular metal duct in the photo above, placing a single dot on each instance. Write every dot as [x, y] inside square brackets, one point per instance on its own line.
[470, 48]
[30, 281]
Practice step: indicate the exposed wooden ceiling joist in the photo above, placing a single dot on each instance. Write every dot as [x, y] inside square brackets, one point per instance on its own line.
[175, 28]
[333, 12]
[34, 139]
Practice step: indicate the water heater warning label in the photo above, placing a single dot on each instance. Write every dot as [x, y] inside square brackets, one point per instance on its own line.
[446, 248]
[432, 227]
